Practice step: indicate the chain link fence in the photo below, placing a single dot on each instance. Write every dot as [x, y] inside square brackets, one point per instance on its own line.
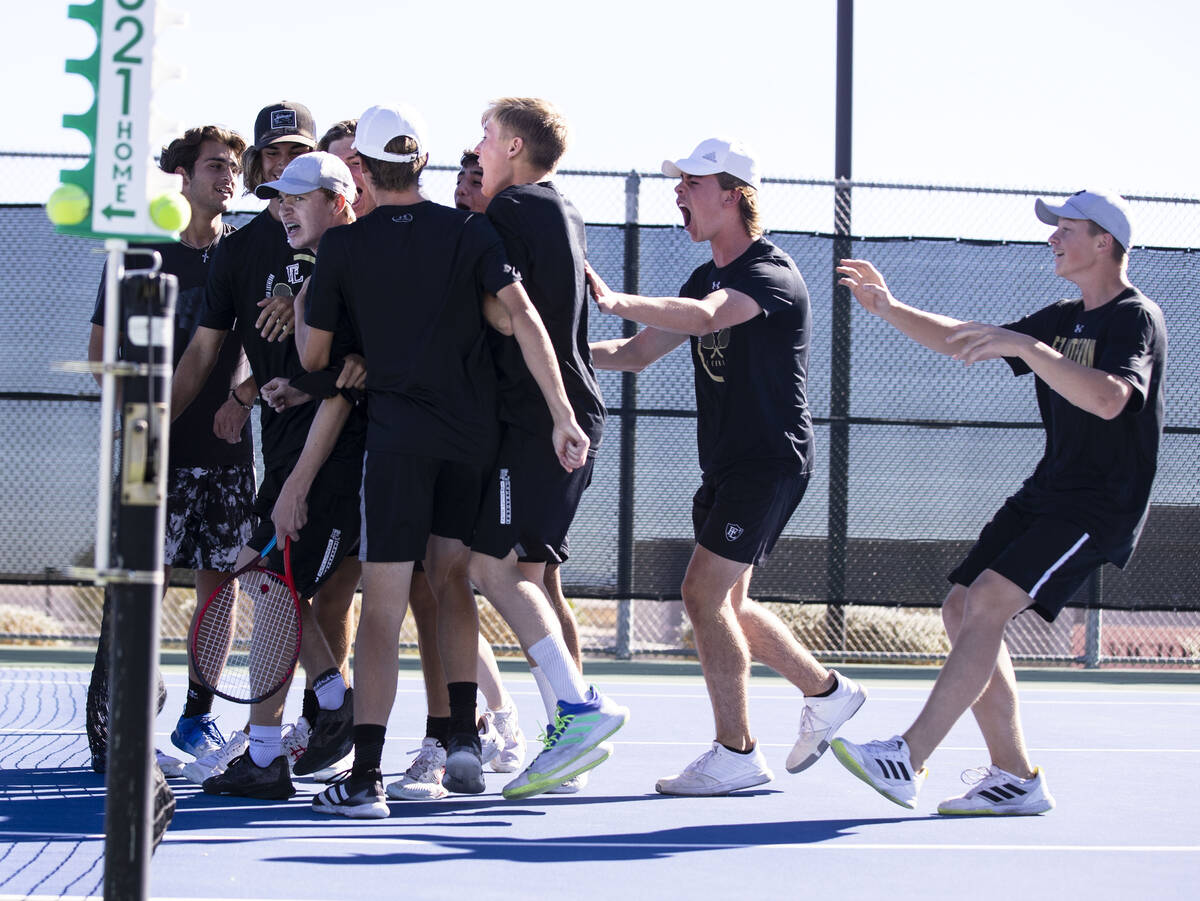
[914, 452]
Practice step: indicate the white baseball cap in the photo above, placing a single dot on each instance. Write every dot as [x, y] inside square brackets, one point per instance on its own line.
[717, 155]
[1109, 211]
[380, 124]
[309, 172]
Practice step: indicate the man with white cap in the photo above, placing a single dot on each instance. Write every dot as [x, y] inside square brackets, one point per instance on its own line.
[748, 318]
[1099, 360]
[411, 275]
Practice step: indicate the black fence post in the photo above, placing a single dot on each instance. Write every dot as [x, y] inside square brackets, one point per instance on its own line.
[839, 376]
[628, 432]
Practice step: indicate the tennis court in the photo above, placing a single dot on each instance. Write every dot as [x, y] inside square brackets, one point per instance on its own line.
[1120, 751]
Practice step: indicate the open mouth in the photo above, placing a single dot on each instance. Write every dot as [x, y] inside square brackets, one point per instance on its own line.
[687, 215]
[291, 228]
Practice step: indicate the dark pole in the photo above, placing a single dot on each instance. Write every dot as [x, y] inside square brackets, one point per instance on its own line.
[632, 277]
[147, 309]
[839, 381]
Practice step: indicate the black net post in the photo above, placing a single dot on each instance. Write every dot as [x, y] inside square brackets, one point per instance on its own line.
[839, 376]
[628, 464]
[131, 808]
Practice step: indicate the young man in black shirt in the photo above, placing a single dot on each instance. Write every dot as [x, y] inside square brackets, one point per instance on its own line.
[254, 263]
[411, 276]
[1099, 361]
[530, 500]
[748, 318]
[210, 482]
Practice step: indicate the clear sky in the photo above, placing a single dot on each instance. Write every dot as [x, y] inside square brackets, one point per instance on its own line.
[1023, 93]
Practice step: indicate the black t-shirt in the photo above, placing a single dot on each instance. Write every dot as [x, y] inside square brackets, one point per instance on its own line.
[192, 440]
[252, 263]
[410, 279]
[546, 241]
[1097, 473]
[751, 378]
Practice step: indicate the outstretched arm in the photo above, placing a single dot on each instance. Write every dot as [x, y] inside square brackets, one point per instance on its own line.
[680, 315]
[872, 294]
[570, 442]
[636, 353]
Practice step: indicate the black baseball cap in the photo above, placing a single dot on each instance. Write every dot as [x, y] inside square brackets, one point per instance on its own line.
[284, 121]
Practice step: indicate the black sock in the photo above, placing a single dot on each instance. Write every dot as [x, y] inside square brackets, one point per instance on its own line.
[309, 706]
[749, 750]
[199, 700]
[462, 707]
[368, 748]
[827, 692]
[438, 727]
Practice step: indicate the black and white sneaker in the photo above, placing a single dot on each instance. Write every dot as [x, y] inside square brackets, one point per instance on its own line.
[331, 738]
[246, 779]
[885, 766]
[995, 792]
[464, 765]
[360, 798]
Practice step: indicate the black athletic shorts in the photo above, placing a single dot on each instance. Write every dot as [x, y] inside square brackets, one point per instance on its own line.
[1047, 558]
[332, 530]
[408, 497]
[530, 500]
[740, 514]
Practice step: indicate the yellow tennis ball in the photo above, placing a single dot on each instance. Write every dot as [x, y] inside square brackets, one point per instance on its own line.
[170, 212]
[68, 205]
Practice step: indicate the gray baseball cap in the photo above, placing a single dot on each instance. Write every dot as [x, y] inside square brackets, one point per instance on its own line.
[309, 172]
[1109, 211]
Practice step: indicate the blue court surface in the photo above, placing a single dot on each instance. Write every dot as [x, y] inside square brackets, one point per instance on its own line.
[1121, 756]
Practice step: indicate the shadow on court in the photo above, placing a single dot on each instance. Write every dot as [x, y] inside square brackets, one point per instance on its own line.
[627, 846]
[51, 800]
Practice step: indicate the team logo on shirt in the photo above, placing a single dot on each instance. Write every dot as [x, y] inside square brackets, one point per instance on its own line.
[292, 273]
[1078, 350]
[403, 217]
[710, 349]
[733, 531]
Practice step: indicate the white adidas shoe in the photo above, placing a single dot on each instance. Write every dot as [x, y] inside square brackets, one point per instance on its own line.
[995, 792]
[820, 721]
[718, 771]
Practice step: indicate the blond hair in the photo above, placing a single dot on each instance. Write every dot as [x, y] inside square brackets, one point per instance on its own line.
[538, 123]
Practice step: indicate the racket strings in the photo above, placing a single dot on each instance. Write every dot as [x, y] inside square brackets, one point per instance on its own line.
[247, 639]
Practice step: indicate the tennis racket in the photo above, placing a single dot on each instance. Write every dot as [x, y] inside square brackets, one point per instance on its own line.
[246, 640]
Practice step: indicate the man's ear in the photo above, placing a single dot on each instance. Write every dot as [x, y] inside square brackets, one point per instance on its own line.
[179, 170]
[515, 145]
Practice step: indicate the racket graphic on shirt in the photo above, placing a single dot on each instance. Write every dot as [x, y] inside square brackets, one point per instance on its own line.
[246, 639]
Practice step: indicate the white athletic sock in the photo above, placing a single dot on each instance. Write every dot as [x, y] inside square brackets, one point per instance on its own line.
[266, 743]
[565, 682]
[543, 685]
[330, 690]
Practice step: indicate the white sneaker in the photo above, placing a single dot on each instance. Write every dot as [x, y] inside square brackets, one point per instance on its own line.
[170, 766]
[512, 749]
[490, 741]
[572, 786]
[718, 772]
[295, 741]
[996, 792]
[422, 781]
[885, 766]
[335, 770]
[215, 763]
[820, 720]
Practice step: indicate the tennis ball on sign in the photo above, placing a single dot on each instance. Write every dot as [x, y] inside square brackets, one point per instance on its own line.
[68, 205]
[170, 212]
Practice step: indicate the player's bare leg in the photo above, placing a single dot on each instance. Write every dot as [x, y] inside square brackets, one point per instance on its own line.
[772, 643]
[990, 603]
[332, 606]
[546, 574]
[723, 650]
[997, 711]
[425, 615]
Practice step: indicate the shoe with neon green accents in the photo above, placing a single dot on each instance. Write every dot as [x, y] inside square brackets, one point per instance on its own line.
[572, 746]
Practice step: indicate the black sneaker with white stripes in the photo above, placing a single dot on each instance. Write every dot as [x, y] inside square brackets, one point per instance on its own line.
[357, 797]
[996, 792]
[883, 765]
